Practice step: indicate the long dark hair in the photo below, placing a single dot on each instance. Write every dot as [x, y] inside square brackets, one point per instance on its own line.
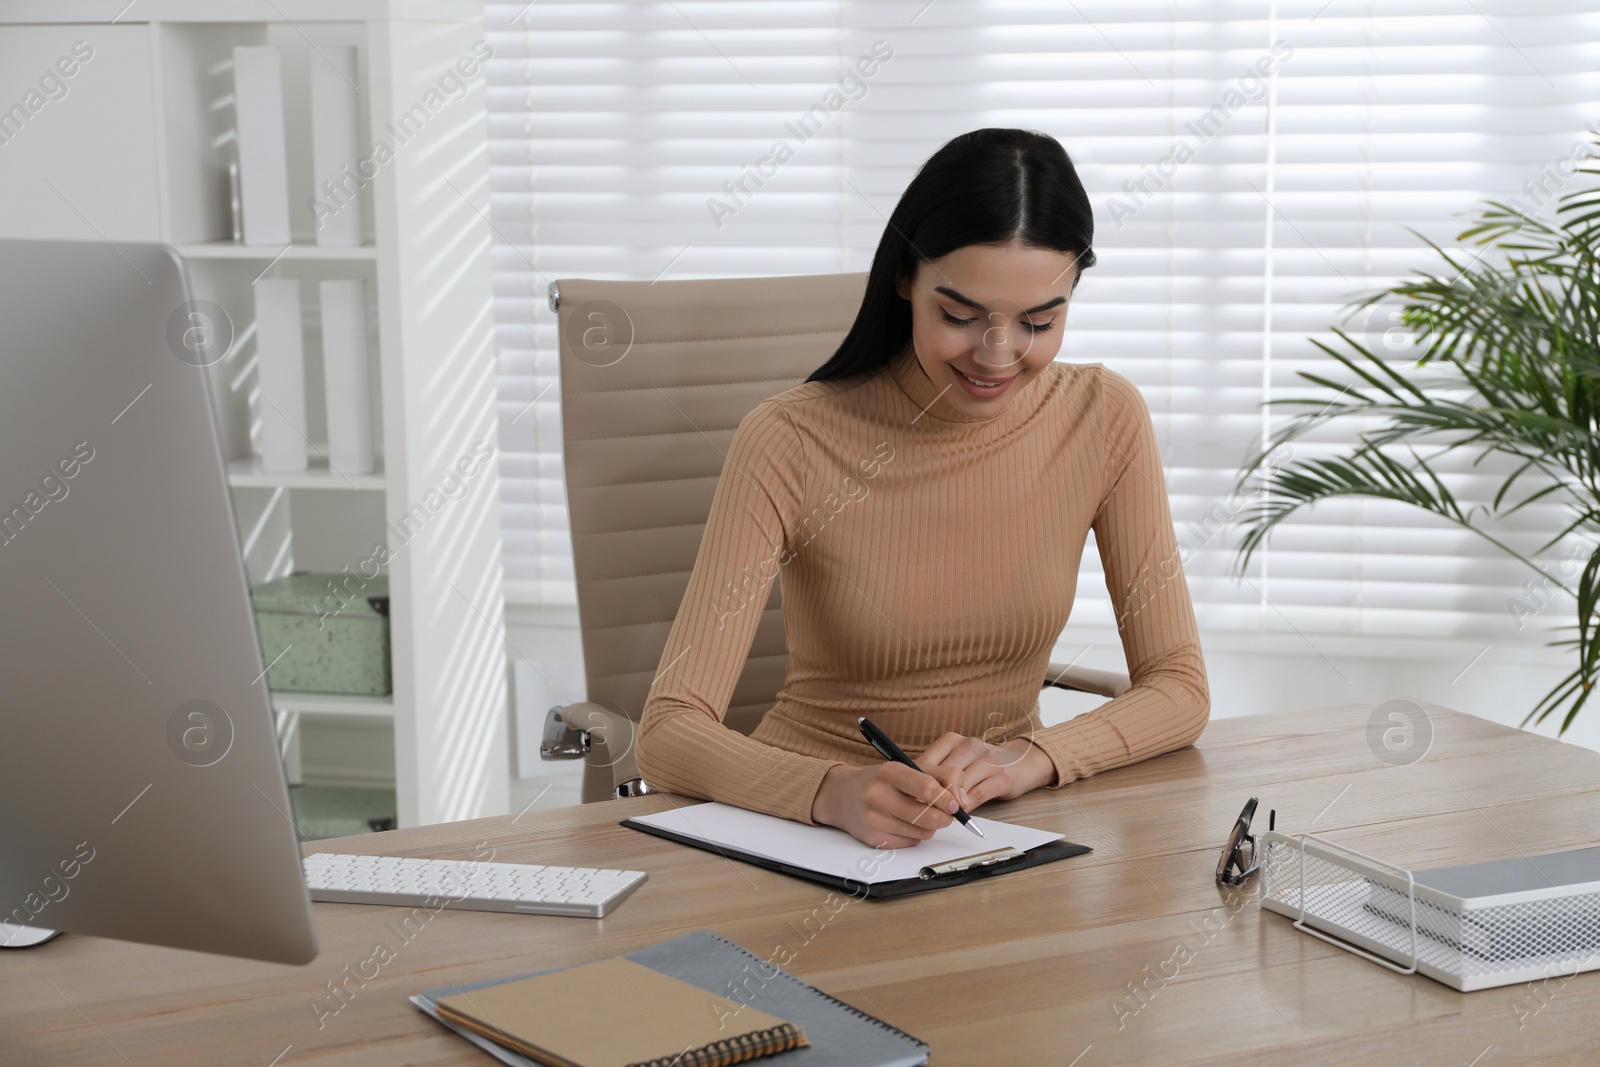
[989, 186]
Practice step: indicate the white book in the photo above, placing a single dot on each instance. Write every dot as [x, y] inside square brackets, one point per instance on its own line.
[263, 157]
[281, 374]
[336, 199]
[345, 375]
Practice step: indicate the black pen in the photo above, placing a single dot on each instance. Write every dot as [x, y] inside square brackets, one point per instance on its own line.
[891, 751]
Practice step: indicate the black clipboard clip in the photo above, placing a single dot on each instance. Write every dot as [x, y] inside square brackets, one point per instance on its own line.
[1003, 854]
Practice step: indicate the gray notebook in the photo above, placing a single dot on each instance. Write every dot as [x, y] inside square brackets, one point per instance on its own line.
[1520, 874]
[1525, 924]
[840, 1036]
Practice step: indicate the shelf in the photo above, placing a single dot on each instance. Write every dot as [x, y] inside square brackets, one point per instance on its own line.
[247, 472]
[334, 704]
[426, 324]
[230, 250]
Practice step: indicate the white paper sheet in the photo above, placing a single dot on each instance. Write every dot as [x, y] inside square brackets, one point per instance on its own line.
[829, 850]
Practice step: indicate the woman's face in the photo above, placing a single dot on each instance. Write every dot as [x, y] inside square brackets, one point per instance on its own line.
[987, 319]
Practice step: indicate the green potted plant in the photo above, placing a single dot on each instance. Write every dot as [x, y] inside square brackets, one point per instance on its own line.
[1504, 360]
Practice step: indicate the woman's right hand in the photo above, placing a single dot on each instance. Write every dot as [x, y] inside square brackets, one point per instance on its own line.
[887, 805]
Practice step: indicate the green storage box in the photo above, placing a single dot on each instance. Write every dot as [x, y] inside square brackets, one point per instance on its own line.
[325, 633]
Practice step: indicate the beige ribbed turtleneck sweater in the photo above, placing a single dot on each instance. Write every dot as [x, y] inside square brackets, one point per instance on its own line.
[929, 560]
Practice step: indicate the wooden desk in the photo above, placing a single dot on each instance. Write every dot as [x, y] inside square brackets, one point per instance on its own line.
[1074, 963]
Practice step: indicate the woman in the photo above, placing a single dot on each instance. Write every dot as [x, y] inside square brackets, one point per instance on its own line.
[926, 495]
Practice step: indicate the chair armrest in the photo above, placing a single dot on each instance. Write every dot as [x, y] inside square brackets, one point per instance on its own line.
[561, 741]
[1086, 680]
[611, 738]
[607, 741]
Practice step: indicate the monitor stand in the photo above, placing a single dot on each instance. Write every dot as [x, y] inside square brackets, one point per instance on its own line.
[14, 936]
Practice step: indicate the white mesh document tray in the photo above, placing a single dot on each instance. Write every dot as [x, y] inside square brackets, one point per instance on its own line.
[1470, 927]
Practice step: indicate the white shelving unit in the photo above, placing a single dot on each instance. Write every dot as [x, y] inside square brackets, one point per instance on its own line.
[333, 704]
[246, 472]
[138, 150]
[230, 250]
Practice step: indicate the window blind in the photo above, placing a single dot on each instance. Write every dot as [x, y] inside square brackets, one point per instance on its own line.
[1253, 166]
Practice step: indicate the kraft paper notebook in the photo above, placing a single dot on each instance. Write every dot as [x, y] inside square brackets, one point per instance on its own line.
[839, 1034]
[829, 856]
[617, 1013]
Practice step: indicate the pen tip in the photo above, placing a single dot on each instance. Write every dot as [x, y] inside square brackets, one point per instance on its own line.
[974, 828]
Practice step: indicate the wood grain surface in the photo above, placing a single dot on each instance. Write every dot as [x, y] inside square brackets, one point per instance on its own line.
[1132, 954]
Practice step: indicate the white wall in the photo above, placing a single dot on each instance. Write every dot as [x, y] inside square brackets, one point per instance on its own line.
[1255, 674]
[1249, 675]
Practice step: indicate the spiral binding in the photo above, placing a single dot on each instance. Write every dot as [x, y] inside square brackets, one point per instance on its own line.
[734, 1049]
[851, 1008]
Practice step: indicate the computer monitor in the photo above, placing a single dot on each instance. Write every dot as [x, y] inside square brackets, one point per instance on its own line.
[142, 792]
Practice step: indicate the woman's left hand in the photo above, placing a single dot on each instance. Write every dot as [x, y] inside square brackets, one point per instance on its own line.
[976, 771]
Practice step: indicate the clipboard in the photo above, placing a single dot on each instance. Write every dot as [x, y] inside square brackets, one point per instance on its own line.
[983, 863]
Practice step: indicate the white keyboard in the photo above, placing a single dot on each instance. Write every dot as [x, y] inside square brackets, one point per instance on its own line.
[467, 884]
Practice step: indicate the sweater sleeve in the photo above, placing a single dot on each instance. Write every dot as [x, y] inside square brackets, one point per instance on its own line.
[1169, 702]
[683, 745]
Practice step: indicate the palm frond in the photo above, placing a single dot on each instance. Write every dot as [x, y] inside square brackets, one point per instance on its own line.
[1507, 363]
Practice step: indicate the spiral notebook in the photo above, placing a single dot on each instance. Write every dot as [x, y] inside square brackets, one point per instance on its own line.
[663, 1022]
[838, 1034]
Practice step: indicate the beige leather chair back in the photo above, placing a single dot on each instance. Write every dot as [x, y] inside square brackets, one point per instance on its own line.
[655, 377]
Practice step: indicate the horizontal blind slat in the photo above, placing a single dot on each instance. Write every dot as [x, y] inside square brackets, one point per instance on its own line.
[612, 124]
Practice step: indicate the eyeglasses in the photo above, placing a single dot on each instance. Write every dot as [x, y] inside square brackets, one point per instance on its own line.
[1239, 859]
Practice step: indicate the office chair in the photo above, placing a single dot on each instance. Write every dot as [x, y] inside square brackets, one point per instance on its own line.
[655, 377]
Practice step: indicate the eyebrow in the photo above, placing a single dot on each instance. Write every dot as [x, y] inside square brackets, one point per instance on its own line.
[953, 295]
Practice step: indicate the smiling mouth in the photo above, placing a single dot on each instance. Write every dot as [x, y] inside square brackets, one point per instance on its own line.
[983, 383]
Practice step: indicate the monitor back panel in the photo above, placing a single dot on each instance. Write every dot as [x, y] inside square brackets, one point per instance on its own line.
[141, 785]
